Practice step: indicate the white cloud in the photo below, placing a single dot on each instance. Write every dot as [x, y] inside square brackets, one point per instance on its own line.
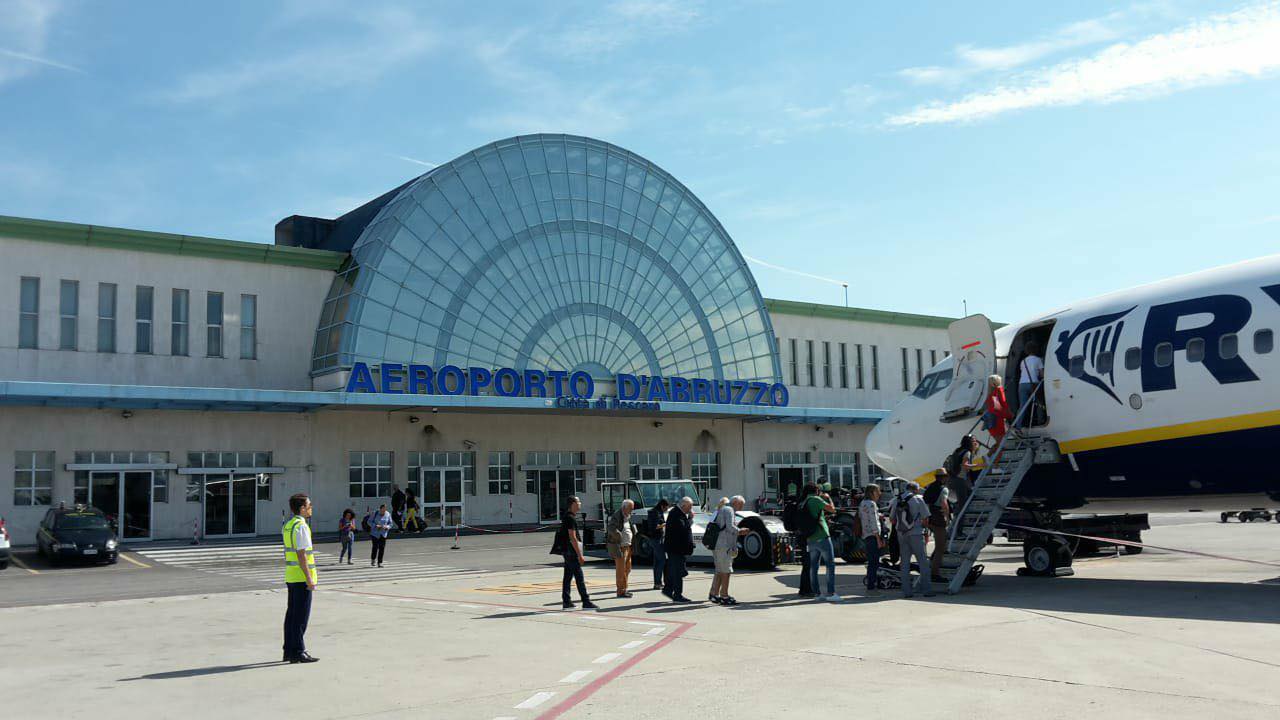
[390, 37]
[1220, 49]
[624, 23]
[24, 38]
[975, 60]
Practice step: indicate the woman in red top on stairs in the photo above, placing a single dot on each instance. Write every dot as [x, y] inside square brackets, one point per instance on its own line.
[997, 408]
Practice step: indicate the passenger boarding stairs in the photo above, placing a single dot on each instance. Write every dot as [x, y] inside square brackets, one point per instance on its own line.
[971, 528]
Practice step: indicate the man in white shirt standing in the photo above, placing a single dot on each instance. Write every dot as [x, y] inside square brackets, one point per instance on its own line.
[908, 514]
[869, 516]
[1030, 373]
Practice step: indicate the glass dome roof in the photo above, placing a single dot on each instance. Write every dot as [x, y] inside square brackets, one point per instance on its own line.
[549, 251]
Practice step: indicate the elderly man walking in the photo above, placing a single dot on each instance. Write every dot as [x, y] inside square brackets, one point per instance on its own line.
[618, 539]
[726, 548]
[908, 513]
[679, 543]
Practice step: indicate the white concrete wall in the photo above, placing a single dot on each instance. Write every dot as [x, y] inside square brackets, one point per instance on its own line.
[289, 303]
[313, 448]
[889, 339]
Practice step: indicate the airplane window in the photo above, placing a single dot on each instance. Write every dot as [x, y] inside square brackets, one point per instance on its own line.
[1228, 346]
[1195, 350]
[1106, 360]
[1076, 367]
[1132, 358]
[1164, 354]
[941, 383]
[922, 390]
[1263, 342]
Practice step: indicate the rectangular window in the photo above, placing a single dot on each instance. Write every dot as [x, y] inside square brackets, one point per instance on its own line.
[500, 473]
[144, 313]
[369, 474]
[106, 317]
[68, 315]
[844, 365]
[875, 367]
[795, 363]
[809, 361]
[919, 365]
[180, 319]
[213, 322]
[29, 313]
[933, 358]
[444, 459]
[826, 364]
[840, 468]
[906, 371]
[32, 477]
[705, 466]
[857, 366]
[606, 467]
[654, 465]
[248, 327]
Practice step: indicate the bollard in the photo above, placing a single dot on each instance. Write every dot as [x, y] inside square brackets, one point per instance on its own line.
[195, 532]
[455, 537]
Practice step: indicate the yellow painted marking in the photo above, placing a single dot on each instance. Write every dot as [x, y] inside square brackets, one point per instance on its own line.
[135, 562]
[1173, 432]
[535, 588]
[23, 565]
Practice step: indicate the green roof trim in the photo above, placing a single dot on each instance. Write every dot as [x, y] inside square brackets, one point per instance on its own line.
[168, 243]
[836, 312]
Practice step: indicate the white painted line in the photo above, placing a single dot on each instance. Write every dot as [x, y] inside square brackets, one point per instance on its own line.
[651, 624]
[505, 717]
[632, 645]
[406, 599]
[535, 701]
[606, 658]
[575, 676]
[654, 631]
[469, 607]
[592, 617]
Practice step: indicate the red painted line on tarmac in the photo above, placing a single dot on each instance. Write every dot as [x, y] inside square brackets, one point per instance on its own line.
[593, 687]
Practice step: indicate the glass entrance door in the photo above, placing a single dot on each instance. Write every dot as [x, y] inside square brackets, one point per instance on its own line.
[125, 498]
[657, 472]
[442, 497]
[555, 487]
[230, 505]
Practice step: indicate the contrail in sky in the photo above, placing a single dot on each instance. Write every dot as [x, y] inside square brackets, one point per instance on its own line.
[801, 273]
[416, 161]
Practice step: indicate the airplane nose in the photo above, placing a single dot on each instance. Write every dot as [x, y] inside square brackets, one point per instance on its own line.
[880, 447]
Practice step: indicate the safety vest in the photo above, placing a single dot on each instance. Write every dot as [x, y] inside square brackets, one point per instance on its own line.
[292, 571]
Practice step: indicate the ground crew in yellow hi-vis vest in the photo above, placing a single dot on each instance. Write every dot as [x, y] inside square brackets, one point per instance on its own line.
[299, 577]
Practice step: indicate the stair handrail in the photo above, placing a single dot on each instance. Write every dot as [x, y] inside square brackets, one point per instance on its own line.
[995, 455]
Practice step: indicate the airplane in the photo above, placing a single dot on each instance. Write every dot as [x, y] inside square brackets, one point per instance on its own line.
[1161, 397]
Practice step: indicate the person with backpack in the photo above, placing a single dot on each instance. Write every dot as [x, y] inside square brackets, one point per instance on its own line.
[869, 530]
[654, 525]
[790, 521]
[908, 512]
[812, 521]
[963, 468]
[1030, 374]
[936, 496]
[725, 548]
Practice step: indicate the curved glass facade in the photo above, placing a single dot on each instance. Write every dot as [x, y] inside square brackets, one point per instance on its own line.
[549, 251]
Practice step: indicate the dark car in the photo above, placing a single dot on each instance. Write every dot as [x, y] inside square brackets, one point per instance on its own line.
[77, 534]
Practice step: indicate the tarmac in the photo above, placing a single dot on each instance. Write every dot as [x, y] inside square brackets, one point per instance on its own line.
[1157, 634]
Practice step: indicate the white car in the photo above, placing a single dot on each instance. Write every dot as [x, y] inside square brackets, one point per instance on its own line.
[757, 549]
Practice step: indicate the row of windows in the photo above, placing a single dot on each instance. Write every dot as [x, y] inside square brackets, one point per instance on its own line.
[1162, 354]
[835, 364]
[144, 319]
[33, 472]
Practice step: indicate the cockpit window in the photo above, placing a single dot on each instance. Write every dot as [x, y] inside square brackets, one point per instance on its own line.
[932, 383]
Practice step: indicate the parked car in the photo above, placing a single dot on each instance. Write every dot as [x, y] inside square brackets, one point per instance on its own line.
[4, 545]
[78, 533]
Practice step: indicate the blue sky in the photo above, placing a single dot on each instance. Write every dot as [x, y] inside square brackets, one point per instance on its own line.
[1014, 155]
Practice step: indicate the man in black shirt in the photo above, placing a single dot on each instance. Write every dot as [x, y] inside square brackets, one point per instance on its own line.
[656, 523]
[570, 542]
[679, 546]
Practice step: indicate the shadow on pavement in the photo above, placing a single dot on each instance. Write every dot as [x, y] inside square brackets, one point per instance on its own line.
[197, 672]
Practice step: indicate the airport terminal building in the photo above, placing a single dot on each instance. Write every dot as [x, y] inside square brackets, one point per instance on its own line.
[541, 315]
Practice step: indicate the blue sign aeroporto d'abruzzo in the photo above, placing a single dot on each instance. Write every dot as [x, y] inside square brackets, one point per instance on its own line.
[576, 388]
